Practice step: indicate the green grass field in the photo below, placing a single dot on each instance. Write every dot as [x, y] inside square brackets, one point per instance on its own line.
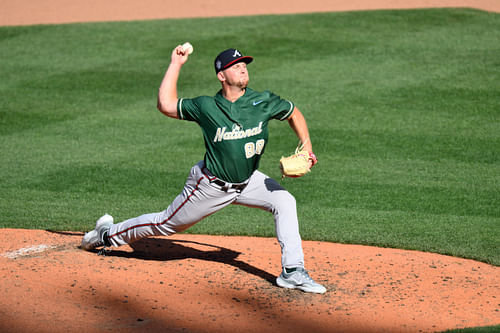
[403, 109]
[487, 329]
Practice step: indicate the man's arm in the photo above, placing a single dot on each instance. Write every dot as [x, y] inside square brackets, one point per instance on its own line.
[298, 123]
[167, 94]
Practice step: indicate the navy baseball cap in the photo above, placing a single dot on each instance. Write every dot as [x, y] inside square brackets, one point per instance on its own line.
[229, 57]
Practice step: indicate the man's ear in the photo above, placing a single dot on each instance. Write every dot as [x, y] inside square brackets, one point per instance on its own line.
[221, 76]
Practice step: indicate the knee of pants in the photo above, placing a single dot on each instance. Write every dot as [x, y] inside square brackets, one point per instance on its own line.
[172, 228]
[284, 201]
[176, 224]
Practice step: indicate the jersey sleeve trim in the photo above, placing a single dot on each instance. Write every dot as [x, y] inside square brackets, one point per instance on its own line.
[179, 108]
[290, 111]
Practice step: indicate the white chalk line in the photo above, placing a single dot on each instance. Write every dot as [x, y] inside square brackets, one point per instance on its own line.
[26, 251]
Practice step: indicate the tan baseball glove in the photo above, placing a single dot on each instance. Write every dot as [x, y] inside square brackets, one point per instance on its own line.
[298, 164]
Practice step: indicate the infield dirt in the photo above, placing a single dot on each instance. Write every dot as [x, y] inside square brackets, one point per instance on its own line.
[197, 283]
[22, 12]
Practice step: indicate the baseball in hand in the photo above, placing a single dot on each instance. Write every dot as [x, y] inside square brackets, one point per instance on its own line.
[187, 48]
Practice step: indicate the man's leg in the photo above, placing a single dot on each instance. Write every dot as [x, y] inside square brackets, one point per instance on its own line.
[198, 199]
[266, 193]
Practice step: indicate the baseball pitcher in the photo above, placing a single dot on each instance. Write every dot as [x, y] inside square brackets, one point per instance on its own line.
[234, 124]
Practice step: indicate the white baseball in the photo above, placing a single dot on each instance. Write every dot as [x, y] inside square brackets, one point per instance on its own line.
[187, 47]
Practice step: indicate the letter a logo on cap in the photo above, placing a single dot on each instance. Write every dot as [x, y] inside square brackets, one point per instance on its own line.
[229, 57]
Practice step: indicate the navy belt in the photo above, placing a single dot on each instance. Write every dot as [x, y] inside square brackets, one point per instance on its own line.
[223, 185]
[226, 186]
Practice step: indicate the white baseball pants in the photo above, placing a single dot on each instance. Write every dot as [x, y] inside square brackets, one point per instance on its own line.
[202, 197]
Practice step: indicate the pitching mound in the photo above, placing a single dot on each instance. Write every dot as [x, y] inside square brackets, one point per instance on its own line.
[196, 283]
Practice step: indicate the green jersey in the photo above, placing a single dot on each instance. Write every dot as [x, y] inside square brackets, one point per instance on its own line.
[235, 134]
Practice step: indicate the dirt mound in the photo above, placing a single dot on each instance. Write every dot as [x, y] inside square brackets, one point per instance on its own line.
[196, 283]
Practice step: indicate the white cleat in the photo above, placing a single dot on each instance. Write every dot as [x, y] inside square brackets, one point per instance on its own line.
[299, 279]
[94, 238]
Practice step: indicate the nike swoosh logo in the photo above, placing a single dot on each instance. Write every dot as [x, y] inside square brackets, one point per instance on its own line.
[257, 103]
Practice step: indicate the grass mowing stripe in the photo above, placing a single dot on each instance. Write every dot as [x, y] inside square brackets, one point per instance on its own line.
[402, 107]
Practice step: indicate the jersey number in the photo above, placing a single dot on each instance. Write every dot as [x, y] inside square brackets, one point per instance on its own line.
[254, 148]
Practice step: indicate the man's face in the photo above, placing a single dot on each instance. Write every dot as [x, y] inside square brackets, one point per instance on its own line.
[236, 75]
